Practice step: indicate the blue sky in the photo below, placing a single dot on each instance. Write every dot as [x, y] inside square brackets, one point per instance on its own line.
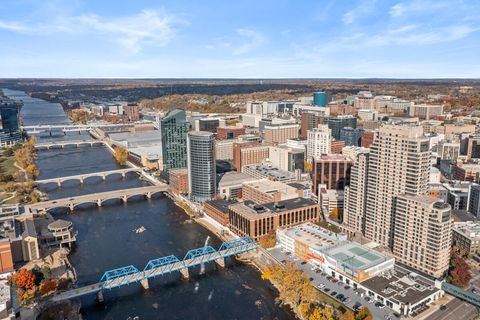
[240, 39]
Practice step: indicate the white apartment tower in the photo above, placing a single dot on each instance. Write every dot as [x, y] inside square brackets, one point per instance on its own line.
[354, 203]
[399, 164]
[423, 234]
[318, 141]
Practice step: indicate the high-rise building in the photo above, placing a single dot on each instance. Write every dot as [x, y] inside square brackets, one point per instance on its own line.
[9, 122]
[332, 171]
[399, 164]
[310, 120]
[318, 141]
[354, 206]
[474, 199]
[229, 132]
[320, 99]
[422, 233]
[351, 136]
[174, 128]
[201, 165]
[280, 133]
[336, 124]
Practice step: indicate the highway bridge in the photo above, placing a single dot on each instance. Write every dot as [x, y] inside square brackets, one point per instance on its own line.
[96, 198]
[82, 177]
[158, 267]
[75, 143]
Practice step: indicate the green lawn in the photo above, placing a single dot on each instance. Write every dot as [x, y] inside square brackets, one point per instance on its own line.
[7, 167]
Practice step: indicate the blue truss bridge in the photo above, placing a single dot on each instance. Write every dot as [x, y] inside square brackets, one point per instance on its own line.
[158, 267]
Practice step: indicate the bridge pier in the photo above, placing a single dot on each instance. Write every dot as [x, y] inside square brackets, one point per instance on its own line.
[100, 298]
[81, 180]
[71, 206]
[149, 195]
[104, 177]
[59, 183]
[184, 273]
[124, 199]
[99, 202]
[220, 262]
[123, 175]
[144, 284]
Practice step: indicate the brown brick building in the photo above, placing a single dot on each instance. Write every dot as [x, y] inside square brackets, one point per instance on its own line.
[367, 138]
[178, 179]
[254, 220]
[336, 146]
[310, 120]
[331, 170]
[6, 260]
[245, 153]
[218, 210]
[230, 132]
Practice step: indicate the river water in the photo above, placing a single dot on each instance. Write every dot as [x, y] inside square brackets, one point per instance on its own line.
[107, 240]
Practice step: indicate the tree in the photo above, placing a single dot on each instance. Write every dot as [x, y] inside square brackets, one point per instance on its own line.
[459, 274]
[32, 170]
[364, 314]
[48, 286]
[268, 241]
[308, 166]
[121, 155]
[323, 313]
[24, 279]
[347, 315]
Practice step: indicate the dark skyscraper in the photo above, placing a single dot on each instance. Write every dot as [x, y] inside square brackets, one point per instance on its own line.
[9, 123]
[174, 128]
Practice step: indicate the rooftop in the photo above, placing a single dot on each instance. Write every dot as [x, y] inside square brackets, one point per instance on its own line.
[401, 286]
[354, 256]
[272, 187]
[314, 236]
[252, 210]
[221, 204]
[234, 178]
[469, 229]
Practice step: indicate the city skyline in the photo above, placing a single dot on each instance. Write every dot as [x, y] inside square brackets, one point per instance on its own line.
[270, 39]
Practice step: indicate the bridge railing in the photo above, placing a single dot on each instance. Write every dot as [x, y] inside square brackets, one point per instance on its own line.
[125, 275]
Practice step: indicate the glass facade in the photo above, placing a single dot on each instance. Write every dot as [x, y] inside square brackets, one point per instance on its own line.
[174, 128]
[201, 166]
[351, 136]
[336, 124]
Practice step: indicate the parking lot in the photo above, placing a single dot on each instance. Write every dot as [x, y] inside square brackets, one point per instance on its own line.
[323, 283]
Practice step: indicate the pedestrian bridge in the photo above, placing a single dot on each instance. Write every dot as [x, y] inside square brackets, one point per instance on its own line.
[71, 143]
[96, 198]
[82, 177]
[158, 267]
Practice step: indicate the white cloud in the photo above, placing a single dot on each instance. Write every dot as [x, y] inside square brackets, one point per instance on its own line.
[252, 40]
[146, 28]
[419, 6]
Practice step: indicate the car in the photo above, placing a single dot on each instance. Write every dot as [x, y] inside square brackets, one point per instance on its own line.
[346, 287]
[329, 278]
[311, 279]
[283, 261]
[443, 307]
[326, 289]
[333, 293]
[334, 280]
[366, 298]
[318, 271]
[324, 274]
[340, 283]
[304, 263]
[339, 296]
[379, 305]
[343, 299]
[321, 286]
[357, 306]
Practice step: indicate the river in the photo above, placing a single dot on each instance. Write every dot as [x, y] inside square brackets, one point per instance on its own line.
[106, 240]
